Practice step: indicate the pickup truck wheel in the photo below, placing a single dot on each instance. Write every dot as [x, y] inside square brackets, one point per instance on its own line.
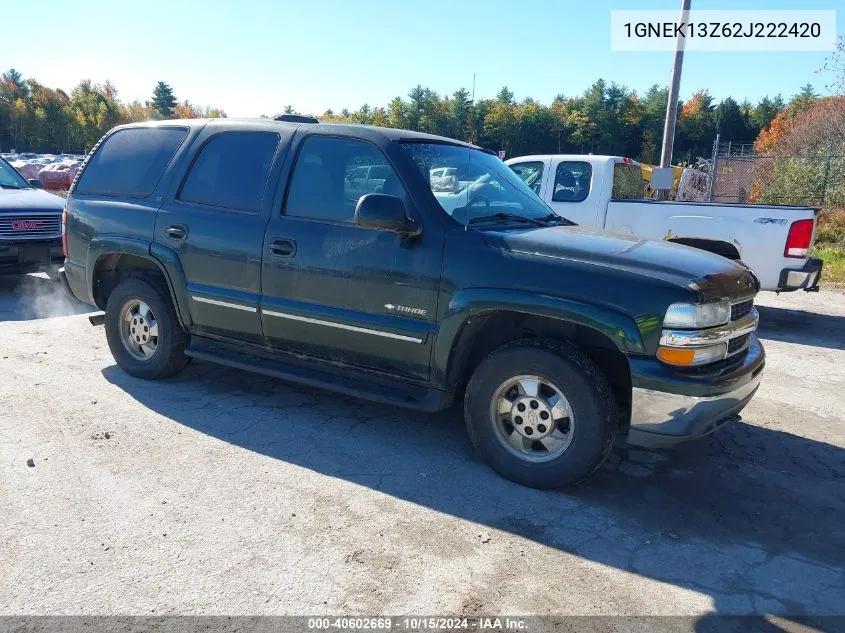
[143, 332]
[540, 413]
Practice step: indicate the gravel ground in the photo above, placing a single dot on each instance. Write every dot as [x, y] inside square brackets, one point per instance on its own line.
[220, 492]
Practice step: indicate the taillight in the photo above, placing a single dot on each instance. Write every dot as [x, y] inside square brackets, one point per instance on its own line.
[64, 232]
[799, 239]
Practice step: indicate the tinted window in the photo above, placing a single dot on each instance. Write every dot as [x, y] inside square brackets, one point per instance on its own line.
[572, 181]
[130, 162]
[328, 179]
[531, 174]
[231, 170]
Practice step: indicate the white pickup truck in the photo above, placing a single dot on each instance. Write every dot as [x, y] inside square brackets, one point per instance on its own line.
[607, 192]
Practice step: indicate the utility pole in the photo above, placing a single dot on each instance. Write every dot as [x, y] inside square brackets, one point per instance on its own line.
[674, 88]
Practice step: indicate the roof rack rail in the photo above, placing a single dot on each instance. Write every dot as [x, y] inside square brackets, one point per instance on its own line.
[295, 118]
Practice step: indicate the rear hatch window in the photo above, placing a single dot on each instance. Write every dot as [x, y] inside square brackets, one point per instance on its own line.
[130, 162]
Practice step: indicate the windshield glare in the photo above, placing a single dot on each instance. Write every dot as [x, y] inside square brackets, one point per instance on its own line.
[9, 177]
[469, 183]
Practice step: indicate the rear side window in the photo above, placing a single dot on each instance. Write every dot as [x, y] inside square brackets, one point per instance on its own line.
[628, 183]
[231, 171]
[573, 179]
[130, 162]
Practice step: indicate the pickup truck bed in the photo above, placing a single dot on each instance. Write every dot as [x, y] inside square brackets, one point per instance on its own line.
[585, 189]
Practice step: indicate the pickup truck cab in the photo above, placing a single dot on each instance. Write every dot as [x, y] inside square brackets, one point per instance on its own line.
[236, 242]
[30, 225]
[607, 192]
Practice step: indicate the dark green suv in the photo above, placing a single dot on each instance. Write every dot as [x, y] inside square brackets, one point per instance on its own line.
[258, 244]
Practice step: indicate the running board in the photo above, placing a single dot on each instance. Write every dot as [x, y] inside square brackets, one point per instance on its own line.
[351, 381]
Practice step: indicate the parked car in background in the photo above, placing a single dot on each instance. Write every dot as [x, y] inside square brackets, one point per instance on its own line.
[607, 192]
[236, 242]
[30, 224]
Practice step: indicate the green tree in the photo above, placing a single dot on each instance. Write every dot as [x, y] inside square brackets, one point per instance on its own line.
[163, 100]
[730, 122]
[765, 111]
[459, 114]
[505, 96]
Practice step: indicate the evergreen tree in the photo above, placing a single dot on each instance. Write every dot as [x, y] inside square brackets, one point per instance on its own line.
[163, 100]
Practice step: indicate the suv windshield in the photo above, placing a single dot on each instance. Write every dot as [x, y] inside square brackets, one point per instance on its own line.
[9, 178]
[473, 186]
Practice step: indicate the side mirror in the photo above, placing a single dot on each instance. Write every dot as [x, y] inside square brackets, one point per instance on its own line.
[35, 182]
[385, 213]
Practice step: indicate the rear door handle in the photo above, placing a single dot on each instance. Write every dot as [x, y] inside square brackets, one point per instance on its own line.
[177, 231]
[283, 247]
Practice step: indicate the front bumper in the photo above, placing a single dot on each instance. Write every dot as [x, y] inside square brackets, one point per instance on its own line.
[692, 406]
[806, 277]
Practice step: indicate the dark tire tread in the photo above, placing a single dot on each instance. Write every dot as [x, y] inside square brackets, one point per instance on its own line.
[169, 358]
[601, 394]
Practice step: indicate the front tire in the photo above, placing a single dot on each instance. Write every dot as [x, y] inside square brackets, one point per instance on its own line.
[143, 332]
[540, 413]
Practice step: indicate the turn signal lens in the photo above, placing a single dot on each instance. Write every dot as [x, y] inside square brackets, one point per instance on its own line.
[676, 356]
[692, 356]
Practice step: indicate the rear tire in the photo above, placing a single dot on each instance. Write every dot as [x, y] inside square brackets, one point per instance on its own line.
[540, 413]
[143, 332]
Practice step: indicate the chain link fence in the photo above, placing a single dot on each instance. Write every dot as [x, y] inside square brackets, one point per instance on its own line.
[741, 175]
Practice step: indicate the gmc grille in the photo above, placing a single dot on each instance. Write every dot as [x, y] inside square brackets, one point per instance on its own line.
[30, 226]
[736, 345]
[741, 309]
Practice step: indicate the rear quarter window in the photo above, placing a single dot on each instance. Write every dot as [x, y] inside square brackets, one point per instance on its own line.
[628, 183]
[130, 162]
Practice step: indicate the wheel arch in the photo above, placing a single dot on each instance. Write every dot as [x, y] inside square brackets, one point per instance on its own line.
[111, 259]
[480, 327]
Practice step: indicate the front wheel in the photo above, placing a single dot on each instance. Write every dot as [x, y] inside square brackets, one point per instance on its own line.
[541, 413]
[142, 330]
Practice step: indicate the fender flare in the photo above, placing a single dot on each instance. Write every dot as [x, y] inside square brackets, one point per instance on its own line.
[164, 259]
[465, 305]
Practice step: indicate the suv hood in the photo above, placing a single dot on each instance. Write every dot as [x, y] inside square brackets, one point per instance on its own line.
[711, 276]
[29, 200]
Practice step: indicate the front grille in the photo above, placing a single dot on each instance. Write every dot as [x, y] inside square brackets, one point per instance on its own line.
[30, 226]
[738, 344]
[741, 309]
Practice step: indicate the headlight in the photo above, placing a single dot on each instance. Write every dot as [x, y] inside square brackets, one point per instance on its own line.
[693, 316]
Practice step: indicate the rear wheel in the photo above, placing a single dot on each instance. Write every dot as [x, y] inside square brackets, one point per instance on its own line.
[142, 330]
[540, 413]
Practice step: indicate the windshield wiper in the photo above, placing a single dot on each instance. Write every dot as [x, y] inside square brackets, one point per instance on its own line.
[2, 186]
[506, 216]
[554, 217]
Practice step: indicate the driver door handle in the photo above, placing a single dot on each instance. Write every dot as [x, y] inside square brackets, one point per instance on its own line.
[177, 231]
[283, 247]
